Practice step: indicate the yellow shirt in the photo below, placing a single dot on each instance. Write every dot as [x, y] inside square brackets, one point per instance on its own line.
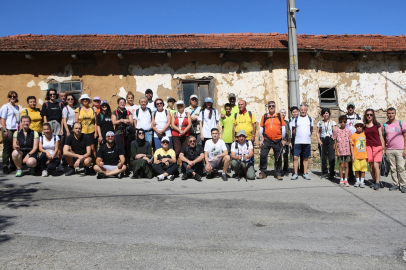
[244, 122]
[87, 119]
[36, 118]
[164, 153]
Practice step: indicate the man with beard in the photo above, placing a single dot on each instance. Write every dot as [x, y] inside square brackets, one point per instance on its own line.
[192, 160]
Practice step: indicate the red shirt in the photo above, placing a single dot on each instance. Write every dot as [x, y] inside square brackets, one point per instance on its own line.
[372, 135]
[185, 123]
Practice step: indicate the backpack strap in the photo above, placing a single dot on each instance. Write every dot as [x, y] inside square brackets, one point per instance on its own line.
[383, 132]
[26, 111]
[137, 111]
[311, 122]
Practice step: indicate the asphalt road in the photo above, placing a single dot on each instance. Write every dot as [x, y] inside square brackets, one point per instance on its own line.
[84, 223]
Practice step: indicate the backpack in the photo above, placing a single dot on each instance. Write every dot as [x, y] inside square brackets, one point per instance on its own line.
[138, 110]
[61, 106]
[249, 112]
[383, 132]
[311, 122]
[266, 118]
[166, 113]
[215, 118]
[26, 110]
[116, 113]
[53, 136]
[81, 108]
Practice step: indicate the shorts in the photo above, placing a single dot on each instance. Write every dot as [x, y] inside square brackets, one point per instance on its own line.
[360, 165]
[35, 155]
[216, 164]
[303, 149]
[374, 153]
[109, 167]
[343, 159]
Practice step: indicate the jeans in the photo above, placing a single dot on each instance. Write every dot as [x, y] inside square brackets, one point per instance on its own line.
[148, 137]
[277, 149]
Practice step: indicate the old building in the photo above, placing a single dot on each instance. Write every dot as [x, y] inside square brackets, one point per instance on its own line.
[366, 69]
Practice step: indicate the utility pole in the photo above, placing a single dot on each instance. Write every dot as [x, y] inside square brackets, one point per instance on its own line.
[293, 73]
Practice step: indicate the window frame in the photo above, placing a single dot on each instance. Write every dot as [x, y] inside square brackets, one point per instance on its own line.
[77, 93]
[197, 82]
[322, 90]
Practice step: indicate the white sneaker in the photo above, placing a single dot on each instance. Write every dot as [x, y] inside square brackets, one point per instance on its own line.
[45, 173]
[161, 177]
[362, 185]
[357, 184]
[171, 177]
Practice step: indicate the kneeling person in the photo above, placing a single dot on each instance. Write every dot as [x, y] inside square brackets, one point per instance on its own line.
[216, 154]
[241, 152]
[110, 158]
[192, 159]
[77, 150]
[25, 144]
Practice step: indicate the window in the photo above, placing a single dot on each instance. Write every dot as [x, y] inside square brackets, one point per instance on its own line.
[74, 87]
[328, 97]
[201, 88]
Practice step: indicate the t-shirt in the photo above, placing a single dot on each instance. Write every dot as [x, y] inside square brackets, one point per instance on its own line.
[351, 119]
[78, 145]
[214, 149]
[53, 111]
[234, 110]
[343, 139]
[69, 114]
[110, 156]
[227, 124]
[143, 119]
[272, 127]
[302, 133]
[11, 114]
[161, 121]
[36, 118]
[162, 153]
[244, 122]
[105, 124]
[132, 108]
[49, 145]
[152, 106]
[190, 153]
[242, 148]
[87, 119]
[358, 142]
[194, 112]
[208, 123]
[372, 135]
[326, 128]
[394, 135]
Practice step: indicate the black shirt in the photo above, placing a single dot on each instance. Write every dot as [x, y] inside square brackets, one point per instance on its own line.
[110, 156]
[105, 125]
[53, 111]
[78, 145]
[192, 154]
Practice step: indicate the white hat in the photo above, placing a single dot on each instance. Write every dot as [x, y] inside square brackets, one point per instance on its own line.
[84, 96]
[193, 96]
[180, 102]
[241, 132]
[165, 138]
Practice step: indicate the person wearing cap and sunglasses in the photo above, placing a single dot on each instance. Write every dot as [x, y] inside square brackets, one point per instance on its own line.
[110, 159]
[151, 103]
[242, 152]
[194, 111]
[165, 161]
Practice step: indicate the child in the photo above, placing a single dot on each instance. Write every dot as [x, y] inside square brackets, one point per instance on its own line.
[342, 138]
[359, 154]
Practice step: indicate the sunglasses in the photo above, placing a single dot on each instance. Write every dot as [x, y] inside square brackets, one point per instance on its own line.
[110, 136]
[12, 96]
[194, 99]
[141, 133]
[88, 100]
[53, 94]
[69, 99]
[272, 106]
[343, 122]
[159, 103]
[164, 142]
[369, 114]
[96, 101]
[192, 141]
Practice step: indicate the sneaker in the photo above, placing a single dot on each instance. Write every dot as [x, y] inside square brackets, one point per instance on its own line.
[404, 189]
[357, 184]
[394, 188]
[101, 175]
[377, 186]
[262, 175]
[87, 171]
[306, 176]
[228, 170]
[286, 174]
[60, 168]
[224, 177]
[362, 185]
[44, 173]
[120, 175]
[294, 177]
[6, 169]
[346, 184]
[161, 177]
[19, 173]
[184, 176]
[210, 175]
[278, 177]
[372, 184]
[198, 177]
[341, 183]
[171, 177]
[70, 172]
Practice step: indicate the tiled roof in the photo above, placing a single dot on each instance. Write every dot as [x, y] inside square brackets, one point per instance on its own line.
[198, 42]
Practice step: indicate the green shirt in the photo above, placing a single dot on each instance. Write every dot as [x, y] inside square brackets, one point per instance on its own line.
[227, 124]
[234, 110]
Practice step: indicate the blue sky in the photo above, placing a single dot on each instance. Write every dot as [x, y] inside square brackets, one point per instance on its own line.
[209, 16]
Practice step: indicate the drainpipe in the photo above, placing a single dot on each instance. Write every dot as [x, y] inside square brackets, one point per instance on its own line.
[293, 73]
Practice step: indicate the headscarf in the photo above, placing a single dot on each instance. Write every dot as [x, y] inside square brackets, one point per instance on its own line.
[139, 141]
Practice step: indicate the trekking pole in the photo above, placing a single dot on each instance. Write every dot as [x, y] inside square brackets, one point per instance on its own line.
[239, 165]
[321, 161]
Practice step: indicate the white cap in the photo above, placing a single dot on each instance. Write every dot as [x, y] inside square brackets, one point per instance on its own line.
[180, 102]
[84, 96]
[193, 96]
[165, 138]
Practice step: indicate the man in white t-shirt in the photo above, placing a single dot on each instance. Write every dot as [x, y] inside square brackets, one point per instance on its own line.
[215, 154]
[242, 152]
[302, 128]
[142, 119]
[149, 95]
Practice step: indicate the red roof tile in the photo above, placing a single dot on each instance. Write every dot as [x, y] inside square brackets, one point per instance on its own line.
[243, 41]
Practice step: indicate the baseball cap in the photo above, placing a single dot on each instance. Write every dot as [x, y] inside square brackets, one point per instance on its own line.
[193, 96]
[165, 138]
[170, 98]
[350, 104]
[180, 102]
[148, 91]
[109, 133]
[104, 102]
[231, 95]
[208, 99]
[241, 132]
[96, 98]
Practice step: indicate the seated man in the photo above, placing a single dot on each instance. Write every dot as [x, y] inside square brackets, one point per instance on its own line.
[25, 144]
[192, 159]
[215, 155]
[241, 152]
[77, 150]
[165, 161]
[110, 159]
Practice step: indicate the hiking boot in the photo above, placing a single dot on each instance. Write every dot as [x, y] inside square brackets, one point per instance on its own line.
[184, 176]
[294, 177]
[19, 173]
[224, 177]
[394, 188]
[404, 189]
[306, 176]
[171, 177]
[262, 175]
[70, 172]
[357, 184]
[377, 186]
[101, 176]
[278, 177]
[45, 173]
[6, 169]
[198, 177]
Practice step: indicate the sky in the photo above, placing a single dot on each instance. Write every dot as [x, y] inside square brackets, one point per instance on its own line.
[200, 17]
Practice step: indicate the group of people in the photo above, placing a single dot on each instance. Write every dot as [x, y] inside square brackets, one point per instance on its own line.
[163, 140]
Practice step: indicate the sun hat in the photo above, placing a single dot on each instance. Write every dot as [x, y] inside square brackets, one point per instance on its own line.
[84, 96]
[193, 96]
